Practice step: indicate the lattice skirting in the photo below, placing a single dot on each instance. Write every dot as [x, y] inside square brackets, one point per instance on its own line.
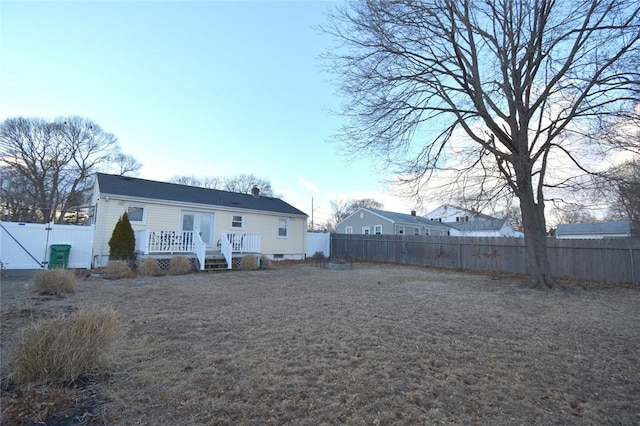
[165, 262]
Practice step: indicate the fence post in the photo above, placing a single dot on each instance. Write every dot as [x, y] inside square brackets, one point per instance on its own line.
[633, 266]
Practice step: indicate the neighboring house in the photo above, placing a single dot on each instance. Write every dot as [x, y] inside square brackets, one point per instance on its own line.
[595, 230]
[484, 228]
[469, 223]
[374, 221]
[204, 224]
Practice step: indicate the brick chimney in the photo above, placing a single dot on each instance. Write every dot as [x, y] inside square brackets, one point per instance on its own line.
[255, 191]
[413, 212]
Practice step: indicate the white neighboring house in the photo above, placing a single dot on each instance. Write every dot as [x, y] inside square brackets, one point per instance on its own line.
[594, 230]
[208, 224]
[469, 223]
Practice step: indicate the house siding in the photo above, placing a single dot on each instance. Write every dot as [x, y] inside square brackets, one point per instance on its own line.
[368, 219]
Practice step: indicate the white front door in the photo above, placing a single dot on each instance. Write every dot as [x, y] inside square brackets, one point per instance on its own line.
[201, 223]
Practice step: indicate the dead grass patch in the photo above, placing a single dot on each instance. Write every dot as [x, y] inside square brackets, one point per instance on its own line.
[118, 269]
[375, 344]
[150, 268]
[64, 348]
[55, 281]
[248, 263]
[180, 265]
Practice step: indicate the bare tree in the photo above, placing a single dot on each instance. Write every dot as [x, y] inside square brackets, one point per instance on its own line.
[622, 187]
[492, 94]
[241, 183]
[126, 165]
[51, 163]
[574, 213]
[208, 182]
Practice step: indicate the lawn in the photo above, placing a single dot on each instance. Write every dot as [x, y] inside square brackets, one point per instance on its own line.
[371, 345]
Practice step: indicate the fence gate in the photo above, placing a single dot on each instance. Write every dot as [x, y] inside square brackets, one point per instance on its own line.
[318, 241]
[28, 245]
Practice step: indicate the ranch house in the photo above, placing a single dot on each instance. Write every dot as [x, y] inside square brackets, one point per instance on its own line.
[214, 228]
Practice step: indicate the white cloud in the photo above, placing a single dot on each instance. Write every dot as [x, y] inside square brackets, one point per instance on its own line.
[308, 184]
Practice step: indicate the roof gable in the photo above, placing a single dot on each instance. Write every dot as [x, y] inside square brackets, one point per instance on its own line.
[117, 185]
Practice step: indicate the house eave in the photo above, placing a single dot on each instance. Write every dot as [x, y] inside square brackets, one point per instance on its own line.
[200, 206]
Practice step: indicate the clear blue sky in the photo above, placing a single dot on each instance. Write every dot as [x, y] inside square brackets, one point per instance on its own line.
[202, 88]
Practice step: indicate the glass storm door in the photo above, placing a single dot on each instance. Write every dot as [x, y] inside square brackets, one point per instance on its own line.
[199, 222]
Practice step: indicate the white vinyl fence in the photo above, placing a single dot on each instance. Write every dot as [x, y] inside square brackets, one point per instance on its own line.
[318, 241]
[28, 245]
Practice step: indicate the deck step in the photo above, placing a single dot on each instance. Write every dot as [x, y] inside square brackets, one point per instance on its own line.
[215, 263]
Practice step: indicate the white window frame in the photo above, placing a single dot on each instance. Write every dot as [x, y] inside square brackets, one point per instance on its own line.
[286, 227]
[366, 230]
[348, 230]
[401, 230]
[416, 231]
[233, 221]
[144, 214]
[377, 229]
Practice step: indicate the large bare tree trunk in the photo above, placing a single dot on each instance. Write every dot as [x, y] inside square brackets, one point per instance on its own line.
[534, 225]
[535, 236]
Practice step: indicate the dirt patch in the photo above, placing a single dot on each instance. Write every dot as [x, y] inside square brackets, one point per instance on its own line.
[373, 344]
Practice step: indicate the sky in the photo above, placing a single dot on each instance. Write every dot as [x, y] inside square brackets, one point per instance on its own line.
[198, 88]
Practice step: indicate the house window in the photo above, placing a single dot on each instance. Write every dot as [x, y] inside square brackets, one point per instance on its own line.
[377, 229]
[365, 230]
[416, 231]
[136, 214]
[283, 228]
[237, 221]
[401, 230]
[348, 230]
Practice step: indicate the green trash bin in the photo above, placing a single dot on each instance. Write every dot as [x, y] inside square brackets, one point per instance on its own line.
[59, 256]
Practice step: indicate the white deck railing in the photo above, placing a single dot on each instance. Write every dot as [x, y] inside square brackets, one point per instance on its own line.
[174, 242]
[154, 241]
[239, 243]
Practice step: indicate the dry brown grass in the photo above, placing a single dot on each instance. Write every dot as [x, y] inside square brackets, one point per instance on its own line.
[374, 344]
[118, 269]
[180, 265]
[55, 281]
[64, 348]
[265, 262]
[149, 268]
[248, 263]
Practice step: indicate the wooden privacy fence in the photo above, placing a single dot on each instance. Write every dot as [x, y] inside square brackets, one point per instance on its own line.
[607, 260]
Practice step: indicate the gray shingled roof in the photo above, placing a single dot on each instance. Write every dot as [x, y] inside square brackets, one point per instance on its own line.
[142, 188]
[408, 218]
[618, 227]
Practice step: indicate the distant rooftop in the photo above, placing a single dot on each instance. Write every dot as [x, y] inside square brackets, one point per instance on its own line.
[595, 228]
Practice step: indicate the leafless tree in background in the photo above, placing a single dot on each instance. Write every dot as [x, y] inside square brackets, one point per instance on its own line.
[51, 164]
[621, 186]
[492, 95]
[126, 165]
[241, 183]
